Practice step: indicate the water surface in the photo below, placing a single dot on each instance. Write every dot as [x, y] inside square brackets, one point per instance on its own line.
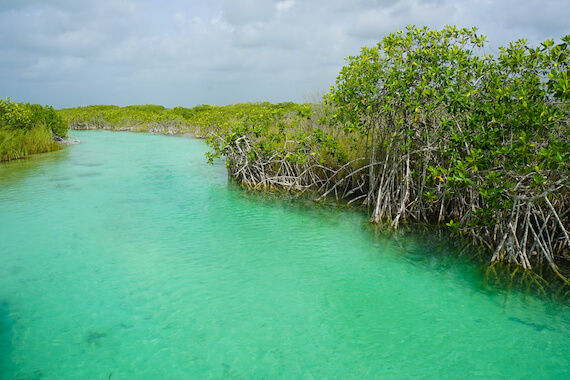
[129, 257]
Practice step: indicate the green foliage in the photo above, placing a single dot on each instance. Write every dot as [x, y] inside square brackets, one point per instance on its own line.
[55, 122]
[146, 117]
[268, 126]
[486, 112]
[27, 129]
[15, 115]
[27, 116]
[479, 133]
[15, 144]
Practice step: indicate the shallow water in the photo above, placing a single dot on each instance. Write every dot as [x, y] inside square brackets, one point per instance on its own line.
[128, 257]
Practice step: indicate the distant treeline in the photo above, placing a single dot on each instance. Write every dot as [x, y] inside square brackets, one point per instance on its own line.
[138, 118]
[27, 129]
[202, 119]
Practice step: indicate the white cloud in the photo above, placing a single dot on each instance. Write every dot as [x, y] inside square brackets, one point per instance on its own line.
[283, 6]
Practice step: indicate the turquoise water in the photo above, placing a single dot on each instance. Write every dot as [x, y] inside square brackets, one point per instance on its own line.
[128, 257]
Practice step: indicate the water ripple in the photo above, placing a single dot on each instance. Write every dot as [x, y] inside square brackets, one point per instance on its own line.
[128, 255]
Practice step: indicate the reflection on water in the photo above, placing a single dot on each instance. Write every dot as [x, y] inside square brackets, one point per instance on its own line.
[15, 172]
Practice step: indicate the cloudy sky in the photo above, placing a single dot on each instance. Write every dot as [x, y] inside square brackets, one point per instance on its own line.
[68, 53]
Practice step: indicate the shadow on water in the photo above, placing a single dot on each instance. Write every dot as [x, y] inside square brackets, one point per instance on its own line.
[542, 281]
[536, 326]
[438, 250]
[292, 200]
[93, 338]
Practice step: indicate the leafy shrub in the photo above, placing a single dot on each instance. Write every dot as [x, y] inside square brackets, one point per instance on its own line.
[27, 129]
[455, 135]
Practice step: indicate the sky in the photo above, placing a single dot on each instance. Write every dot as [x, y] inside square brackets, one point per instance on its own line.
[69, 53]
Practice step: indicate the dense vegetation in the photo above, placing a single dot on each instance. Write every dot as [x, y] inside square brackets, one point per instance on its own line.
[203, 120]
[27, 129]
[138, 118]
[479, 142]
[423, 127]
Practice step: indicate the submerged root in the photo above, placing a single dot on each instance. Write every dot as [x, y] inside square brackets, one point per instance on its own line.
[541, 281]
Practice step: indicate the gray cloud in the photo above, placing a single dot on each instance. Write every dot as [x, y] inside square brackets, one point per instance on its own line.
[175, 52]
